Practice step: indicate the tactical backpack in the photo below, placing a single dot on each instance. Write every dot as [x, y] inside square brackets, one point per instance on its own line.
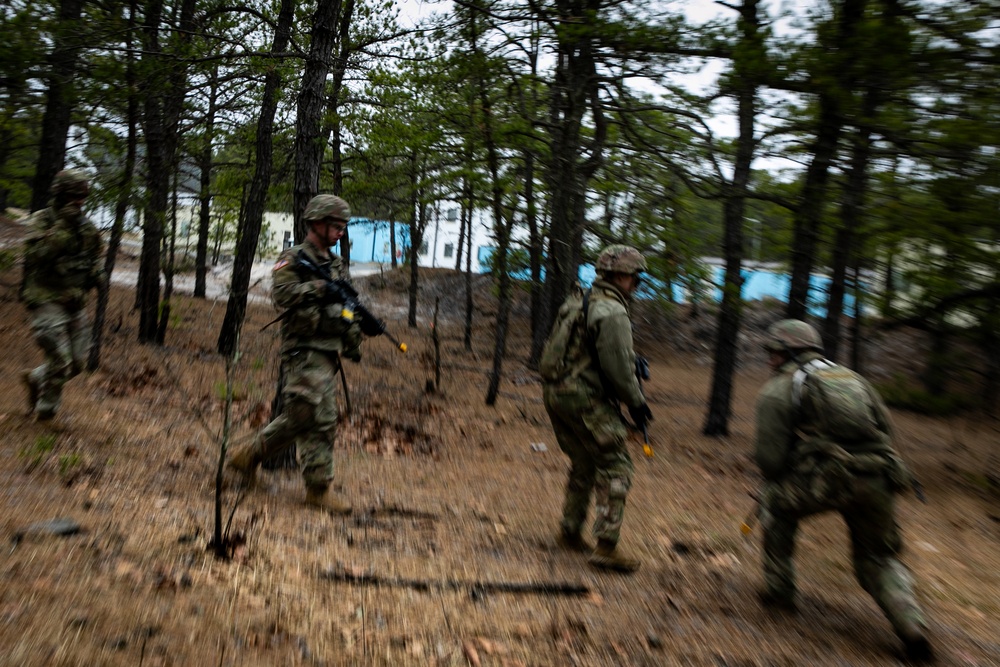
[567, 340]
[845, 411]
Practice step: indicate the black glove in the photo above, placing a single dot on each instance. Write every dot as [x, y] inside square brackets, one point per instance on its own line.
[640, 415]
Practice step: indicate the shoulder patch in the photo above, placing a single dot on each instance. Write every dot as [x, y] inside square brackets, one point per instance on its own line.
[282, 263]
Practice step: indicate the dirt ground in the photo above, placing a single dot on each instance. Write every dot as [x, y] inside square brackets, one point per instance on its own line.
[447, 491]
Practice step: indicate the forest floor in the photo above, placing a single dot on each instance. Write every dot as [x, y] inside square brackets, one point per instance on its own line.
[447, 491]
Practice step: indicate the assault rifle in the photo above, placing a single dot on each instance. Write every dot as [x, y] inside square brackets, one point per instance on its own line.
[340, 291]
[642, 373]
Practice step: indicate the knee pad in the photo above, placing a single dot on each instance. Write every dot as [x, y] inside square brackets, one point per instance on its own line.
[618, 487]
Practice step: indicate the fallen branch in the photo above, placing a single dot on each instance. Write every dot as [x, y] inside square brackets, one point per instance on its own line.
[475, 588]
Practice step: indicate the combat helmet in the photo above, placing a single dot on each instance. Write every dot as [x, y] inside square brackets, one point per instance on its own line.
[620, 259]
[321, 207]
[70, 182]
[790, 335]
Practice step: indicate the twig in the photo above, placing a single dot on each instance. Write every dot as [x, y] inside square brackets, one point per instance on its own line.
[474, 587]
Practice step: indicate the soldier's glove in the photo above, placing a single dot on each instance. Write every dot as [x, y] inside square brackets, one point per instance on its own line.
[640, 415]
[354, 354]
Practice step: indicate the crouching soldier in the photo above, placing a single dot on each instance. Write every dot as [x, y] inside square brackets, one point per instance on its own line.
[315, 335]
[824, 442]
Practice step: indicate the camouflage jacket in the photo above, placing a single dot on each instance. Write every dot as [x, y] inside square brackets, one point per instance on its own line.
[63, 260]
[610, 332]
[310, 323]
[785, 430]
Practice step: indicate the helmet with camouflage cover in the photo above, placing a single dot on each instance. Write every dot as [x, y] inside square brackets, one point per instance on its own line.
[70, 182]
[620, 259]
[787, 335]
[321, 207]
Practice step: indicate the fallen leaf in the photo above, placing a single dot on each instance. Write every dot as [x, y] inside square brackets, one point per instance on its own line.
[488, 647]
[471, 654]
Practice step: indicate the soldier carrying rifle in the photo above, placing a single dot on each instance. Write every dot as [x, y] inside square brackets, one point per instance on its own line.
[317, 329]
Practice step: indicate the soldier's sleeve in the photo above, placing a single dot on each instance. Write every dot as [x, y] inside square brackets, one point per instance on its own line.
[775, 429]
[289, 288]
[613, 340]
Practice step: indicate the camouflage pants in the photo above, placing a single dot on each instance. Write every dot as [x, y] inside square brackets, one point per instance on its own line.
[867, 503]
[309, 420]
[590, 432]
[64, 336]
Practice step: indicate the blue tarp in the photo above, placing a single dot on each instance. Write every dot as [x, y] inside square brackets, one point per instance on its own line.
[759, 283]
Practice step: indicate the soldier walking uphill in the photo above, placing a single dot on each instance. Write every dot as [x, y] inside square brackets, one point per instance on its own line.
[587, 368]
[824, 442]
[63, 260]
[315, 334]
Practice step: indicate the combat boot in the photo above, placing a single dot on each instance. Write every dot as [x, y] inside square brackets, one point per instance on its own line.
[777, 601]
[32, 386]
[246, 462]
[321, 500]
[608, 556]
[915, 643]
[572, 541]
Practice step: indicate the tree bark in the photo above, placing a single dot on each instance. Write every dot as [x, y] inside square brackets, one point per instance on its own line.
[418, 223]
[164, 103]
[205, 189]
[809, 212]
[573, 92]
[253, 212]
[730, 311]
[124, 196]
[309, 140]
[67, 41]
[333, 131]
[850, 218]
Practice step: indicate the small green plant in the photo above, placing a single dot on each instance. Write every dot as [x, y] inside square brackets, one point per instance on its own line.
[257, 364]
[67, 463]
[38, 452]
[240, 390]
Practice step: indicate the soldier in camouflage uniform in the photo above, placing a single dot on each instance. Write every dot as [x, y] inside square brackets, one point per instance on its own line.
[63, 260]
[583, 405]
[314, 336]
[807, 473]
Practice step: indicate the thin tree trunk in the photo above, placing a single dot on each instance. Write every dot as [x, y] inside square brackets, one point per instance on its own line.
[67, 41]
[253, 213]
[334, 129]
[168, 270]
[809, 212]
[393, 262]
[309, 140]
[464, 213]
[124, 196]
[418, 223]
[730, 312]
[205, 189]
[164, 103]
[574, 92]
[501, 225]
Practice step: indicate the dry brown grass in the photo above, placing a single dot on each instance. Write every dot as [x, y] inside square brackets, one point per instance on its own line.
[133, 460]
